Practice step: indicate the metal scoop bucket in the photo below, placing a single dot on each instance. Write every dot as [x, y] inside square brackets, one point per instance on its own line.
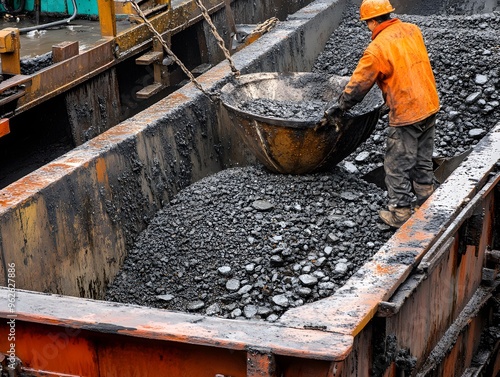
[295, 146]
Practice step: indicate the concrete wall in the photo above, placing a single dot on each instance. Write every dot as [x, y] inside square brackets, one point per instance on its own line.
[67, 226]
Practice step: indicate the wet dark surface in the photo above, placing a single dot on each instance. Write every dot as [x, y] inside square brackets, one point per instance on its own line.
[39, 42]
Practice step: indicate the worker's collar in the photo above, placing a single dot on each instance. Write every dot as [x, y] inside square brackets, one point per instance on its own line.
[384, 25]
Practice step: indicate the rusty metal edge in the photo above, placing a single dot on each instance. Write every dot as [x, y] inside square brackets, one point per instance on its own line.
[436, 252]
[150, 323]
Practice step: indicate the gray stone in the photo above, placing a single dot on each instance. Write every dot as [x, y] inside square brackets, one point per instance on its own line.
[224, 270]
[166, 297]
[281, 300]
[341, 268]
[236, 313]
[306, 269]
[245, 289]
[250, 311]
[264, 311]
[272, 318]
[481, 79]
[349, 224]
[320, 261]
[250, 267]
[308, 280]
[326, 285]
[476, 133]
[276, 260]
[262, 205]
[304, 291]
[195, 305]
[350, 167]
[233, 285]
[350, 196]
[472, 98]
[333, 237]
[362, 157]
[213, 309]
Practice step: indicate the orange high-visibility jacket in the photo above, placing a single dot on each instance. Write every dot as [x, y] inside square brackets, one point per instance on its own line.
[396, 59]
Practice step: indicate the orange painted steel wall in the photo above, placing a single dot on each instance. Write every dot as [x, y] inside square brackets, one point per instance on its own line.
[86, 353]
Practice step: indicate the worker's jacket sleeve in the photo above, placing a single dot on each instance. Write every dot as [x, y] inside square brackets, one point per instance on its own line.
[362, 80]
[398, 62]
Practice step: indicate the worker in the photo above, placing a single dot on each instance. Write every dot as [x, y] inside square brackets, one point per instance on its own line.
[397, 61]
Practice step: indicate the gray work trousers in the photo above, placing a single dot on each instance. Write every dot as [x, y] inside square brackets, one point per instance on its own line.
[408, 158]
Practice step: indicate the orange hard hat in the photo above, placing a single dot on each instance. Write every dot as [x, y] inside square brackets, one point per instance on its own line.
[374, 8]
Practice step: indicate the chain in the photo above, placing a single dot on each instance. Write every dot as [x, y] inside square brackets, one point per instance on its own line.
[168, 50]
[220, 41]
[266, 25]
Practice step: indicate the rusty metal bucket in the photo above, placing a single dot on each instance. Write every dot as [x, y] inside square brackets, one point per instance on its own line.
[298, 146]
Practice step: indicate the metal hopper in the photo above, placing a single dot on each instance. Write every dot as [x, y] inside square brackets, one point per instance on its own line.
[298, 146]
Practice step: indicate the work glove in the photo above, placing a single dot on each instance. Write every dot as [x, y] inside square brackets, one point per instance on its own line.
[334, 112]
[332, 115]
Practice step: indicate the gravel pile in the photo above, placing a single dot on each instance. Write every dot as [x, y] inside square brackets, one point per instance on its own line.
[244, 243]
[465, 56]
[308, 110]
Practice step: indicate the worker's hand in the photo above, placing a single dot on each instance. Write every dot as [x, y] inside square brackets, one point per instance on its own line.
[334, 111]
[332, 115]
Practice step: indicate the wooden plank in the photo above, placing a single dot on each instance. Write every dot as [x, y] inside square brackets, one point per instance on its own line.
[149, 90]
[149, 58]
